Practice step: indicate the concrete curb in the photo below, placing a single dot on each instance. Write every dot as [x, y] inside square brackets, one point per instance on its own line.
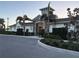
[58, 49]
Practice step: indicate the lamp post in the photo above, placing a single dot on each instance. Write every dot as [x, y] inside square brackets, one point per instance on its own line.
[48, 18]
[24, 26]
[7, 23]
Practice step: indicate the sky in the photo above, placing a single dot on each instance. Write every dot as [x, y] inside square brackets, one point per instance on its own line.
[12, 9]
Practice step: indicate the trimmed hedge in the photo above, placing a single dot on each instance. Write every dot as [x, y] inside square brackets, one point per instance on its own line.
[20, 32]
[8, 32]
[62, 32]
[52, 36]
[29, 34]
[15, 33]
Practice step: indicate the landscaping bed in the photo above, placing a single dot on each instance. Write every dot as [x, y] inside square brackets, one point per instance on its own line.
[16, 33]
[57, 41]
[8, 32]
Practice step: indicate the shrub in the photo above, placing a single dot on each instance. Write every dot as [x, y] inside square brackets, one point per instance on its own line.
[62, 32]
[19, 31]
[8, 32]
[52, 36]
[52, 42]
[65, 45]
[48, 41]
[29, 33]
[76, 47]
[55, 44]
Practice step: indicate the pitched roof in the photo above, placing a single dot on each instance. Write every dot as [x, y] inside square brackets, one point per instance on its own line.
[37, 18]
[30, 23]
[47, 8]
[27, 24]
[12, 25]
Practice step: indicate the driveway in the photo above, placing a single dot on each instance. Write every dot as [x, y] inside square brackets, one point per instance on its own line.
[28, 47]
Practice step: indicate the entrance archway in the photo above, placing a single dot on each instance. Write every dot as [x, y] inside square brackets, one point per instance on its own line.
[40, 28]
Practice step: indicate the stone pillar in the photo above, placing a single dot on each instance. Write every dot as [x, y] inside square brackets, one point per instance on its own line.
[46, 27]
[34, 27]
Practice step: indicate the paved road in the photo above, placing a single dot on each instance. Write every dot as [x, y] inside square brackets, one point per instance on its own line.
[14, 46]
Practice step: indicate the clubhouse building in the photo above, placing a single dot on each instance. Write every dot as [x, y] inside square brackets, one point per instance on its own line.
[47, 24]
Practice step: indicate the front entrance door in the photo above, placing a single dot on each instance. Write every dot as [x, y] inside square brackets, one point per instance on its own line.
[40, 27]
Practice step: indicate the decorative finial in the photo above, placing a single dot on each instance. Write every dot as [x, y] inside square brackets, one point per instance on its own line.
[49, 4]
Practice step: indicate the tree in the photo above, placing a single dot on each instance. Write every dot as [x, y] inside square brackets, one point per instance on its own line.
[22, 20]
[76, 11]
[26, 18]
[19, 18]
[73, 17]
[2, 25]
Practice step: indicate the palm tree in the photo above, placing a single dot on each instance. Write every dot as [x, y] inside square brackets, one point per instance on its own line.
[22, 20]
[26, 18]
[2, 25]
[19, 18]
